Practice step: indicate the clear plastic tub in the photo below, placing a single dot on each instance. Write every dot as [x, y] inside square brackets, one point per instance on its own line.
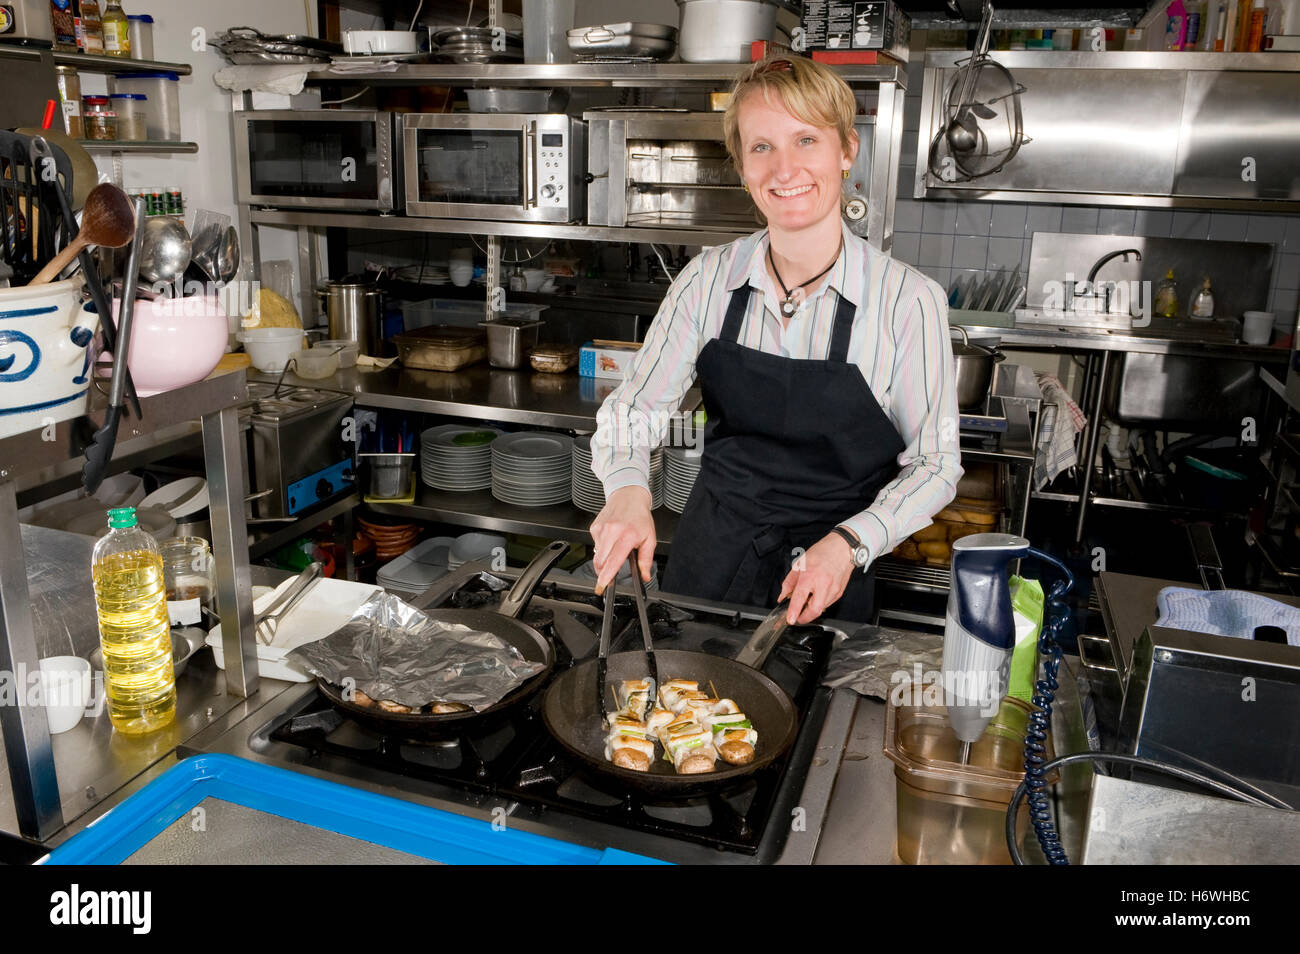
[462, 314]
[132, 120]
[162, 102]
[346, 350]
[140, 29]
[315, 363]
[950, 813]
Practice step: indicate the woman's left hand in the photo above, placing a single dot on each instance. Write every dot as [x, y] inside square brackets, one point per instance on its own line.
[818, 578]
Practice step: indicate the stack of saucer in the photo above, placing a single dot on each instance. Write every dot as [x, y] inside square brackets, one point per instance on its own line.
[589, 495]
[532, 468]
[457, 458]
[681, 468]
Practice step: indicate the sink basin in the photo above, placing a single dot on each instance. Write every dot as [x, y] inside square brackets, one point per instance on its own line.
[1183, 393]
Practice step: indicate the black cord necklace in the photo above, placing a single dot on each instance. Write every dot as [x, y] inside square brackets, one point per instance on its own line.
[789, 305]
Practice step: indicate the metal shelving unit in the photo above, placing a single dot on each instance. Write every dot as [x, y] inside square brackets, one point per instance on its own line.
[97, 64]
[158, 147]
[28, 747]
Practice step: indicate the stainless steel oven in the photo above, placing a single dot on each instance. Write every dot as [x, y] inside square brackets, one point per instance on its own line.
[319, 159]
[498, 166]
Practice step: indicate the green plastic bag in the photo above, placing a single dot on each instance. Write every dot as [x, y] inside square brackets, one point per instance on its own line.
[1027, 606]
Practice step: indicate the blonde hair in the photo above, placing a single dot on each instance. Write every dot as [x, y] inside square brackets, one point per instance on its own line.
[810, 92]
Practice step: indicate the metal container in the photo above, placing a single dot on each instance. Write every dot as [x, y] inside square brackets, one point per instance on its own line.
[390, 474]
[354, 310]
[1183, 393]
[509, 340]
[974, 368]
[492, 100]
[720, 31]
[624, 39]
[441, 347]
[297, 448]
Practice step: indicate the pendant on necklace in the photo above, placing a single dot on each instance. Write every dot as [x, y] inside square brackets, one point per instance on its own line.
[788, 308]
[793, 301]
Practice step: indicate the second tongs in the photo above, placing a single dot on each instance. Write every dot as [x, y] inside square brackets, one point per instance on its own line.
[606, 632]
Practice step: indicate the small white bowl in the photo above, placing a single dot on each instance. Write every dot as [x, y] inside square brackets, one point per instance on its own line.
[65, 690]
[270, 348]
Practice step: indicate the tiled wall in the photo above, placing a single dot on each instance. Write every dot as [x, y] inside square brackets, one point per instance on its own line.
[948, 238]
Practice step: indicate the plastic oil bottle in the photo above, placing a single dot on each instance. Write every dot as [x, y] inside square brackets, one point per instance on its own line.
[134, 632]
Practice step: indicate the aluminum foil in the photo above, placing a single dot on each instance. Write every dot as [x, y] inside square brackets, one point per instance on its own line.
[390, 650]
[876, 659]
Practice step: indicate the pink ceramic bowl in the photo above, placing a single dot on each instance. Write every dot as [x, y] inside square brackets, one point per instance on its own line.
[175, 342]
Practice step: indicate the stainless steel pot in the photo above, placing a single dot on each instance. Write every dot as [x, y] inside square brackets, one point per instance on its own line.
[355, 311]
[720, 31]
[974, 367]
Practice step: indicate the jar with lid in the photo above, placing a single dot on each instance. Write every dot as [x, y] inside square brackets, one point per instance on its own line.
[187, 574]
[70, 99]
[98, 120]
[129, 108]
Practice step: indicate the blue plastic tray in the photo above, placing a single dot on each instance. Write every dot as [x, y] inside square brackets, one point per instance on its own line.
[378, 819]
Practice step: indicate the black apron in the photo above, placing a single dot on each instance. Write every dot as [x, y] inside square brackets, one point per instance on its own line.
[793, 446]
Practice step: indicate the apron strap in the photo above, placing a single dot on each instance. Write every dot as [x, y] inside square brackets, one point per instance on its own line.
[842, 331]
[735, 316]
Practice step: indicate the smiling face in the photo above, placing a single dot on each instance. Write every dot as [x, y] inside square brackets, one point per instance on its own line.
[794, 169]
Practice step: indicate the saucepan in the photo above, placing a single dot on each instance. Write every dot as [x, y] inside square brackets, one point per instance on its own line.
[974, 368]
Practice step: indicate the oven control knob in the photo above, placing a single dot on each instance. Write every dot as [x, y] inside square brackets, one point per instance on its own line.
[323, 489]
[548, 190]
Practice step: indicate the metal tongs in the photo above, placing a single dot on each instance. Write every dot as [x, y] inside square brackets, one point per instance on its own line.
[267, 622]
[606, 631]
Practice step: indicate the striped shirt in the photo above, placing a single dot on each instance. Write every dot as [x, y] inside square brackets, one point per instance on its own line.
[899, 343]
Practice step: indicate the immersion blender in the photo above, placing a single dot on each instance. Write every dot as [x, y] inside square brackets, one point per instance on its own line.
[979, 632]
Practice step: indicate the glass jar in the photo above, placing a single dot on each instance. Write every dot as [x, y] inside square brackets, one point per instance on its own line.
[98, 121]
[70, 99]
[187, 574]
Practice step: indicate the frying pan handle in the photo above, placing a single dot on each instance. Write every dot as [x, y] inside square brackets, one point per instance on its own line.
[514, 602]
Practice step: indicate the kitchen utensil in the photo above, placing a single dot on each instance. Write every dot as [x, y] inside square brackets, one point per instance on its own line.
[106, 221]
[766, 637]
[505, 625]
[269, 619]
[509, 340]
[624, 40]
[353, 308]
[720, 31]
[100, 450]
[84, 175]
[643, 619]
[228, 254]
[974, 367]
[89, 270]
[165, 251]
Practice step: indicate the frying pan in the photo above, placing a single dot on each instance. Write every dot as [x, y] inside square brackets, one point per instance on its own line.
[572, 715]
[504, 624]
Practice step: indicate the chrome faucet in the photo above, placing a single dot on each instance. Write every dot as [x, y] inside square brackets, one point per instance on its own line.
[1097, 266]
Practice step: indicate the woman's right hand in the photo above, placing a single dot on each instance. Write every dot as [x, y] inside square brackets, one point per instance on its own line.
[623, 525]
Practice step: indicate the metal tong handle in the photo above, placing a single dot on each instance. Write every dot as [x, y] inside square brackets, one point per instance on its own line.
[638, 590]
[766, 636]
[602, 652]
[284, 603]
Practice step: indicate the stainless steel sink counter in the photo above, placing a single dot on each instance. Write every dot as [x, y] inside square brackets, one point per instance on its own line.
[1049, 337]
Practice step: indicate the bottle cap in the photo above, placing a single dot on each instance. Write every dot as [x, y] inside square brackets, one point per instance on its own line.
[121, 518]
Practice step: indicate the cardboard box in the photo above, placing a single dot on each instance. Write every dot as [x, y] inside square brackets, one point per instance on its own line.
[606, 359]
[841, 25]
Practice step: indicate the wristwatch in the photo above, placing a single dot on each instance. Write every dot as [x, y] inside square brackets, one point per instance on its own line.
[861, 555]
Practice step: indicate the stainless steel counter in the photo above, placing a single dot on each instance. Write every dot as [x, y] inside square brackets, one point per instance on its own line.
[1064, 338]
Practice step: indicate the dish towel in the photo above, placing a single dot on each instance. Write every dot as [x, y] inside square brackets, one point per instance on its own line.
[1225, 612]
[287, 79]
[1059, 432]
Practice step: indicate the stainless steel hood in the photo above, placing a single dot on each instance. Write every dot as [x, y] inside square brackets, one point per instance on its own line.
[1196, 130]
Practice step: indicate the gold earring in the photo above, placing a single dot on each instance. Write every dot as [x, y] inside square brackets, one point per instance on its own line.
[845, 173]
[745, 186]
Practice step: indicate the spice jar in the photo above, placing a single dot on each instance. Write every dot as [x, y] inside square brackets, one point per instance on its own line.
[98, 120]
[70, 99]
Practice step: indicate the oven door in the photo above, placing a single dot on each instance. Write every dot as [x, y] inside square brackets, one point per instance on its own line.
[318, 159]
[482, 166]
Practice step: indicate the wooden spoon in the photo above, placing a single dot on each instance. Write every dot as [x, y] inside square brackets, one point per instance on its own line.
[106, 221]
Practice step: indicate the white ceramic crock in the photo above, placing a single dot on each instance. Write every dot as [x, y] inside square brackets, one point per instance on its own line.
[44, 361]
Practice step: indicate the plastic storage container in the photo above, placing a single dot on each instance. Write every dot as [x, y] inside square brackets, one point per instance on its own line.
[463, 314]
[132, 118]
[162, 102]
[441, 348]
[140, 30]
[949, 813]
[134, 630]
[315, 363]
[347, 350]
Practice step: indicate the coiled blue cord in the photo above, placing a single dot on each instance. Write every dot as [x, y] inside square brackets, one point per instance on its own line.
[1055, 616]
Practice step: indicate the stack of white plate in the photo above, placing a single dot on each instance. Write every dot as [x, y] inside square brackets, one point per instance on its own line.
[416, 570]
[532, 468]
[456, 457]
[589, 495]
[681, 468]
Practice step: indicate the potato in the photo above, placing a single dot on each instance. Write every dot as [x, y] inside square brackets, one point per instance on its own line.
[979, 517]
[935, 551]
[935, 531]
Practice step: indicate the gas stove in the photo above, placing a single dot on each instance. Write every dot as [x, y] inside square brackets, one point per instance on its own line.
[511, 771]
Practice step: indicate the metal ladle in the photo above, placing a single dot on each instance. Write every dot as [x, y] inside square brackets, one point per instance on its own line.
[166, 250]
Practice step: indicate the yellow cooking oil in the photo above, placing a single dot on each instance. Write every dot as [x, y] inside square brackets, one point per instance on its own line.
[134, 631]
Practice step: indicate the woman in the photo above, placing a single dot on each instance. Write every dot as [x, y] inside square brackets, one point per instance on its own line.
[826, 372]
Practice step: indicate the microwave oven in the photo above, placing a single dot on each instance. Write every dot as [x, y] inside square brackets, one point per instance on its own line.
[496, 166]
[319, 159]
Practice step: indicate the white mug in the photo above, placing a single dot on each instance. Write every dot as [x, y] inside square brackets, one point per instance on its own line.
[45, 332]
[65, 688]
